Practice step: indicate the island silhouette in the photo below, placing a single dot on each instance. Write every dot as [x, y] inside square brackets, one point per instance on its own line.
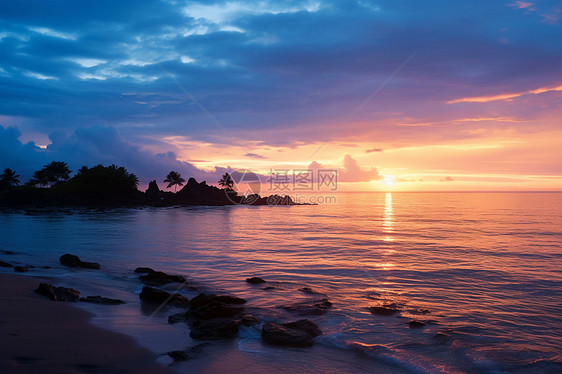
[113, 186]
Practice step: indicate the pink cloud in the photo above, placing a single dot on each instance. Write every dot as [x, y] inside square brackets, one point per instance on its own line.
[521, 5]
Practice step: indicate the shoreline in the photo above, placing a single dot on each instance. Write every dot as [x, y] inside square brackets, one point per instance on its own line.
[40, 335]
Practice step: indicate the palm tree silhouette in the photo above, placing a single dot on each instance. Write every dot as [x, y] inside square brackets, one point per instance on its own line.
[174, 179]
[226, 181]
[9, 178]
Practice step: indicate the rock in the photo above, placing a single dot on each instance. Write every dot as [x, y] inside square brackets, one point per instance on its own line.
[216, 328]
[159, 278]
[275, 334]
[383, 311]
[178, 317]
[419, 311]
[20, 269]
[249, 320]
[255, 280]
[6, 265]
[268, 288]
[46, 267]
[216, 309]
[101, 300]
[58, 293]
[307, 290]
[313, 308]
[414, 324]
[203, 299]
[304, 325]
[178, 355]
[143, 270]
[153, 295]
[74, 261]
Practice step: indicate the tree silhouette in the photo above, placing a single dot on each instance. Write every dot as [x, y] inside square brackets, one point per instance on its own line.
[226, 181]
[56, 171]
[174, 179]
[9, 178]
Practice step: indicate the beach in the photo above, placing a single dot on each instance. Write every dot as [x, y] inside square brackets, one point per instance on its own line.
[40, 335]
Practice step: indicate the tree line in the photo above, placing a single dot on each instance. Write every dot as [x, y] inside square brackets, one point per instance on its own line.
[118, 177]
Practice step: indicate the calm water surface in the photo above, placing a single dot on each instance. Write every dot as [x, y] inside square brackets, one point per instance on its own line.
[486, 265]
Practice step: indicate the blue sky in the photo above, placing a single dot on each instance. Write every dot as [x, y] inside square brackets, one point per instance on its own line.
[111, 82]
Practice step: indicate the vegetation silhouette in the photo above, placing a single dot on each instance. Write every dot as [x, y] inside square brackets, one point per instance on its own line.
[9, 179]
[174, 179]
[226, 181]
[100, 183]
[113, 186]
[56, 171]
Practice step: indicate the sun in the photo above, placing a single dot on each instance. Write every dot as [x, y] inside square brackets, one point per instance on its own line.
[389, 180]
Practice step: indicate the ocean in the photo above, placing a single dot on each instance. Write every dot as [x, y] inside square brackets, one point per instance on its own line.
[483, 271]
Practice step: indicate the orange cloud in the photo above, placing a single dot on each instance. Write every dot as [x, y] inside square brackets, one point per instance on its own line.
[485, 99]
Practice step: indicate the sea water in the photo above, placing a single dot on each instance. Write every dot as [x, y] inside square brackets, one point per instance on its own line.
[485, 266]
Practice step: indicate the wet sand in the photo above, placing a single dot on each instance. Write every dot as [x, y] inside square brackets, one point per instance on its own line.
[38, 335]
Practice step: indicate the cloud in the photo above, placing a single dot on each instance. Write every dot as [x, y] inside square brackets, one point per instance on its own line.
[352, 172]
[521, 5]
[484, 99]
[374, 150]
[91, 146]
[447, 179]
[254, 155]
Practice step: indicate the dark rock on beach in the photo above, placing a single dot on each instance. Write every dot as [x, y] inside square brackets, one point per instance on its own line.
[143, 270]
[249, 320]
[304, 325]
[216, 309]
[383, 310]
[74, 261]
[178, 317]
[204, 299]
[101, 300]
[21, 269]
[5, 264]
[295, 334]
[255, 280]
[307, 308]
[154, 295]
[414, 324]
[178, 355]
[159, 278]
[307, 290]
[216, 328]
[58, 293]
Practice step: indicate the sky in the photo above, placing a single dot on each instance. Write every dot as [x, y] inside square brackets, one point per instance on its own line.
[395, 95]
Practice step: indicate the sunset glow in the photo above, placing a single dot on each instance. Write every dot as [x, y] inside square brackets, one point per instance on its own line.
[212, 87]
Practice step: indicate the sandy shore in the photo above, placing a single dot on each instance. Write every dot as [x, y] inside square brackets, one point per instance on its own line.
[38, 335]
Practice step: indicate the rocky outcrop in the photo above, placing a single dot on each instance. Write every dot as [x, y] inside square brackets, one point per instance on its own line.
[203, 299]
[156, 296]
[415, 324]
[159, 278]
[216, 328]
[58, 293]
[74, 261]
[385, 310]
[143, 270]
[5, 264]
[255, 280]
[295, 334]
[101, 300]
[21, 269]
[306, 308]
